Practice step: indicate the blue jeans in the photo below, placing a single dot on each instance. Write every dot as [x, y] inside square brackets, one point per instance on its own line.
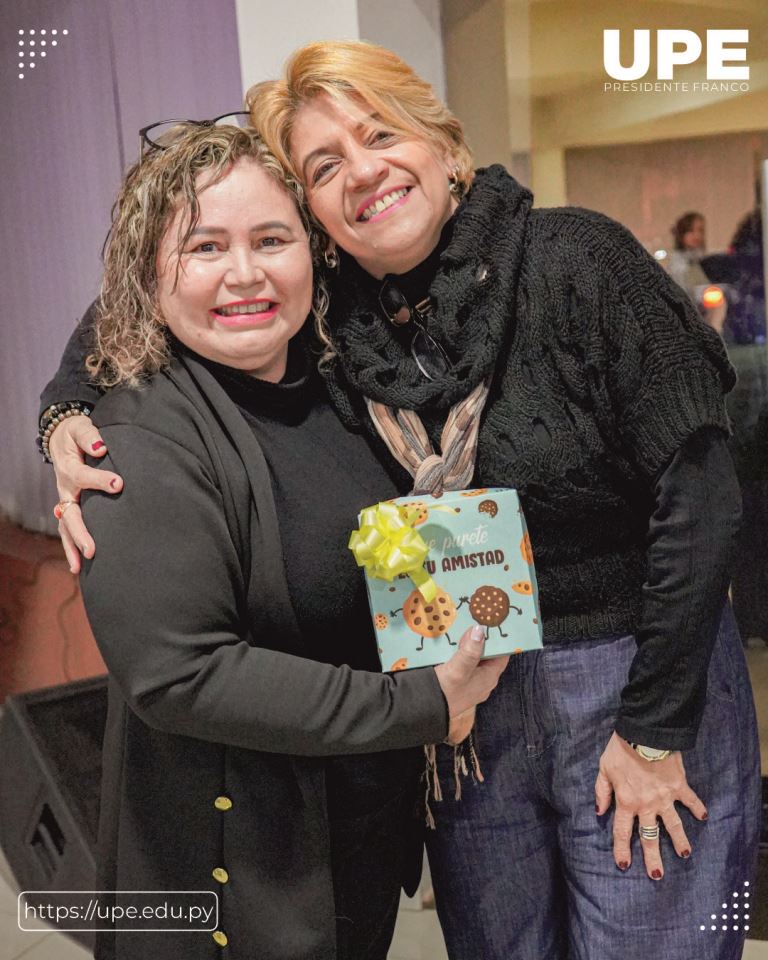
[522, 867]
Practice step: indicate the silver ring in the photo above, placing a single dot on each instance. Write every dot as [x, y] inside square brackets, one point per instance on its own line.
[650, 833]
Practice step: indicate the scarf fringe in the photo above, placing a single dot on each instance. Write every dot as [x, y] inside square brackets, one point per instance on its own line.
[460, 769]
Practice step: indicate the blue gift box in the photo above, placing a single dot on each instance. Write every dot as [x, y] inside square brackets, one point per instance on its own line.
[481, 562]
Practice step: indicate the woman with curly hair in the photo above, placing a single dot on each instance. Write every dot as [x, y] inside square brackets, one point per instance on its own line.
[253, 747]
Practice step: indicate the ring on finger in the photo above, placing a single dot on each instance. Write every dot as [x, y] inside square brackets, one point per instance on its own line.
[650, 833]
[61, 506]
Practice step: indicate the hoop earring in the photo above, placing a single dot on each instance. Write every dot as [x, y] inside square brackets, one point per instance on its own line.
[331, 258]
[453, 181]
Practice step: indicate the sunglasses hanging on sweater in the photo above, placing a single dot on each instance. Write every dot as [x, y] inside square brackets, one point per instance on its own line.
[429, 356]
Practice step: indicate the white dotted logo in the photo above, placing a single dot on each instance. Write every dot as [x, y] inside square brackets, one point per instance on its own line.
[34, 44]
[740, 911]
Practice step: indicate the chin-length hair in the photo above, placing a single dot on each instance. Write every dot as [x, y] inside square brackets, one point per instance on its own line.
[131, 339]
[367, 73]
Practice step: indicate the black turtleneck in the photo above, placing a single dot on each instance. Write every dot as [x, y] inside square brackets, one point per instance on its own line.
[322, 475]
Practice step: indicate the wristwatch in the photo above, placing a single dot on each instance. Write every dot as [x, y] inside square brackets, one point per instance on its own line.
[650, 753]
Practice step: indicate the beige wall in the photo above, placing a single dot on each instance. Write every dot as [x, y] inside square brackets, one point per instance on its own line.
[487, 66]
[526, 77]
[647, 186]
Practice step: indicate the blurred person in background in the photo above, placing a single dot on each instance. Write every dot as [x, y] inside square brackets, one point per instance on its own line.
[746, 316]
[683, 263]
[743, 265]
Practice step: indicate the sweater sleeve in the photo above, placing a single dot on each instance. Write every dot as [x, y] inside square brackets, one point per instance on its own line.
[164, 597]
[658, 372]
[691, 543]
[72, 381]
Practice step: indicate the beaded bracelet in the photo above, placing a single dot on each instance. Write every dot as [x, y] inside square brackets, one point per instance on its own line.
[53, 416]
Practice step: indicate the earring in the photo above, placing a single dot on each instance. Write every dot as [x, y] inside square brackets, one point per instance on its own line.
[453, 181]
[331, 258]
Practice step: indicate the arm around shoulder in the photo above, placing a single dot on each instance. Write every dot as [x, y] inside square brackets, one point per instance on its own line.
[72, 381]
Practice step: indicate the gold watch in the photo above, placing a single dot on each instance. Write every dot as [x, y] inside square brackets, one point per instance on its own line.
[650, 753]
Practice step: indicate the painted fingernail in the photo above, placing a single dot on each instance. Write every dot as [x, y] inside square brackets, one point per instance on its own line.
[656, 874]
[705, 816]
[597, 809]
[623, 865]
[98, 445]
[685, 854]
[113, 483]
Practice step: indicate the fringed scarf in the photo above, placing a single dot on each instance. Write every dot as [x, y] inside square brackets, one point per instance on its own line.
[406, 438]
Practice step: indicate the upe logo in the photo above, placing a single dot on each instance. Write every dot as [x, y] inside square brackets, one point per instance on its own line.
[676, 48]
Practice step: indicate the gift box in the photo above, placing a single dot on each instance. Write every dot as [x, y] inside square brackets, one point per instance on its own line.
[435, 566]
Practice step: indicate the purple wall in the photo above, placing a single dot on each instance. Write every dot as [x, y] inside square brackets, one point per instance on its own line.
[70, 128]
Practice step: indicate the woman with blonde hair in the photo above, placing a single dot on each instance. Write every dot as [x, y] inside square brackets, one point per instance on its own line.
[253, 748]
[603, 406]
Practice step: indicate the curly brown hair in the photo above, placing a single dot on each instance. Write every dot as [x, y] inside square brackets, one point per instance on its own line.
[131, 338]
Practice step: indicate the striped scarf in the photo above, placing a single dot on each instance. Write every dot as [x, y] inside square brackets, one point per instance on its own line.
[406, 438]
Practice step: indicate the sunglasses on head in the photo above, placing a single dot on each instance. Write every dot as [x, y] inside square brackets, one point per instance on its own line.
[161, 134]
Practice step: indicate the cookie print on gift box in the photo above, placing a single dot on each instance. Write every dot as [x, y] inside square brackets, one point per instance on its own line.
[419, 511]
[490, 606]
[429, 619]
[526, 549]
[472, 560]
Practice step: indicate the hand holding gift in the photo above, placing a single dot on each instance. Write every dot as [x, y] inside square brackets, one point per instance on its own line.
[467, 680]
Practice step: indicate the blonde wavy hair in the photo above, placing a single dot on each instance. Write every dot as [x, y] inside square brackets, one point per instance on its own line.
[345, 69]
[131, 337]
[363, 71]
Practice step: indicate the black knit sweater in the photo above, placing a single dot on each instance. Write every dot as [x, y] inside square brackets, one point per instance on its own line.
[606, 414]
[602, 368]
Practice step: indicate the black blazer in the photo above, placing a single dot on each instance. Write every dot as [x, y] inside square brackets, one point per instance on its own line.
[212, 694]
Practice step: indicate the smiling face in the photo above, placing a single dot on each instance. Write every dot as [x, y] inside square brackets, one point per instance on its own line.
[244, 284]
[380, 194]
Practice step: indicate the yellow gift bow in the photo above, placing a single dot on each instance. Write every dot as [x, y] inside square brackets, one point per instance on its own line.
[387, 545]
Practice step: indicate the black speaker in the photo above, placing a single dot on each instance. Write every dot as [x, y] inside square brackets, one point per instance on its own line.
[759, 922]
[50, 775]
